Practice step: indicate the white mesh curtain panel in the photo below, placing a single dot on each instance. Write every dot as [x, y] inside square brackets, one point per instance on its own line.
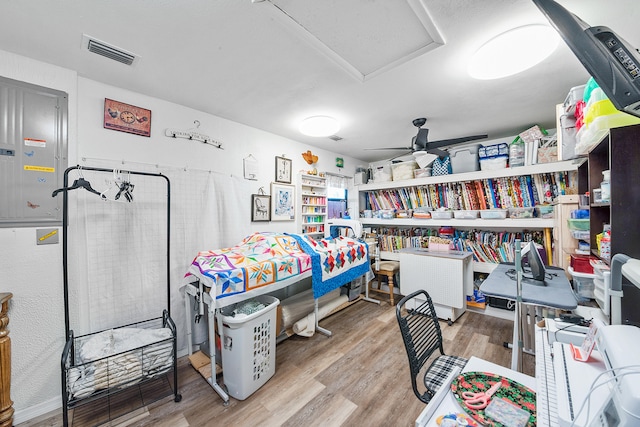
[117, 250]
[117, 253]
[209, 210]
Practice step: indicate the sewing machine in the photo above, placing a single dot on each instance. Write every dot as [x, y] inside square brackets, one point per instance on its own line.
[350, 227]
[602, 391]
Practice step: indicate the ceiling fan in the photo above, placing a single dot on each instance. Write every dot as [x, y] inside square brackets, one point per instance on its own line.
[420, 143]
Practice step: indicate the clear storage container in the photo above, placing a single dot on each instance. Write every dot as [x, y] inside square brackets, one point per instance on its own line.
[442, 214]
[544, 211]
[465, 214]
[521, 212]
[493, 213]
[578, 224]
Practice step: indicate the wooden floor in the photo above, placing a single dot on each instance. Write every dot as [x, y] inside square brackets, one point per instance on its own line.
[357, 377]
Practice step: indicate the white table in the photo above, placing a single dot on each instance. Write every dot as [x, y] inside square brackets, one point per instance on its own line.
[444, 403]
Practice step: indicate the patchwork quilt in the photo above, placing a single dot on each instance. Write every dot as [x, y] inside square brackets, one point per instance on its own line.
[265, 258]
[334, 261]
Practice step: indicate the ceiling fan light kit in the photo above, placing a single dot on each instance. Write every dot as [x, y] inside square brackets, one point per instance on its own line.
[319, 126]
[513, 52]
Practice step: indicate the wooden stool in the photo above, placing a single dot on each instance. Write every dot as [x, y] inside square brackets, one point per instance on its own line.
[386, 268]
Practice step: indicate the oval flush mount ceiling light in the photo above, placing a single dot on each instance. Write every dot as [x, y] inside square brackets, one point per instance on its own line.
[513, 52]
[319, 126]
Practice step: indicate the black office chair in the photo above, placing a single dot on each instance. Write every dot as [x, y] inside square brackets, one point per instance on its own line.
[422, 336]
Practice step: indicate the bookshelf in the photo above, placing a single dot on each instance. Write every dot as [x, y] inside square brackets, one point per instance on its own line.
[313, 204]
[617, 151]
[536, 184]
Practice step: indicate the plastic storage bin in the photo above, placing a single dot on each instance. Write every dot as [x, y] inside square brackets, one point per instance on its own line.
[580, 234]
[464, 159]
[583, 284]
[544, 211]
[465, 214]
[582, 263]
[578, 224]
[521, 212]
[493, 213]
[249, 347]
[403, 170]
[442, 214]
[421, 173]
[493, 163]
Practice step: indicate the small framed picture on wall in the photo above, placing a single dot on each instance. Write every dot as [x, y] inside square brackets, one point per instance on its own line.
[283, 170]
[282, 202]
[260, 207]
[126, 118]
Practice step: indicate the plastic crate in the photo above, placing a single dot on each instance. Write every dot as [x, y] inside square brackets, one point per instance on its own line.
[464, 159]
[249, 347]
[578, 224]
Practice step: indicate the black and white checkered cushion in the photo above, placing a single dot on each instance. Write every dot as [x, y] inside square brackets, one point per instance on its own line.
[440, 369]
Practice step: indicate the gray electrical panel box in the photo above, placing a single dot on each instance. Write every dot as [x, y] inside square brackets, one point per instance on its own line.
[33, 153]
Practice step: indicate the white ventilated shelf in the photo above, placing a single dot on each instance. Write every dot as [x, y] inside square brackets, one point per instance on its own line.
[567, 165]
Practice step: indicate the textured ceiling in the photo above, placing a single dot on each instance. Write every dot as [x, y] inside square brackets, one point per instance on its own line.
[268, 64]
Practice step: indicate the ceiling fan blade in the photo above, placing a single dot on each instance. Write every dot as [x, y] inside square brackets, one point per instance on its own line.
[420, 141]
[391, 148]
[446, 142]
[400, 155]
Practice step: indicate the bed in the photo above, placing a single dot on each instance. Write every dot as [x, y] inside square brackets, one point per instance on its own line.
[263, 263]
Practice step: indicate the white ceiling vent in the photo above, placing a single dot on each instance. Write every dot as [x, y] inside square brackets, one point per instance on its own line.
[108, 51]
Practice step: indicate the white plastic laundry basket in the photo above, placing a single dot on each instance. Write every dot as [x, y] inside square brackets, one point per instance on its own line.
[249, 347]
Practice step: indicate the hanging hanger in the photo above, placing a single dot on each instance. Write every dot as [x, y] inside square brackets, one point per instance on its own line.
[126, 188]
[80, 182]
[193, 134]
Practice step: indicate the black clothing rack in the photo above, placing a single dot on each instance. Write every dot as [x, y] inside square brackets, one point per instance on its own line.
[68, 360]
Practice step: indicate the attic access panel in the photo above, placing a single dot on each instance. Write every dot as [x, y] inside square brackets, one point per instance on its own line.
[33, 153]
[365, 37]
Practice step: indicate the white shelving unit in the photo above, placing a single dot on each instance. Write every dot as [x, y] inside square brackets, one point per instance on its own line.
[567, 165]
[506, 224]
[312, 213]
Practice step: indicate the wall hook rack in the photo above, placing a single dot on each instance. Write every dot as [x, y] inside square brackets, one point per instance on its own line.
[193, 135]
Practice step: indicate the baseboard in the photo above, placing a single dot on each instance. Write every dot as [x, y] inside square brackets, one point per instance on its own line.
[27, 414]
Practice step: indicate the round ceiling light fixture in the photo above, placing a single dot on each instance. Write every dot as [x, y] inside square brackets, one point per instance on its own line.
[513, 52]
[319, 126]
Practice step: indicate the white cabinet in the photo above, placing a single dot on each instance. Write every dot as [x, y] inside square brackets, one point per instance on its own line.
[312, 213]
[446, 276]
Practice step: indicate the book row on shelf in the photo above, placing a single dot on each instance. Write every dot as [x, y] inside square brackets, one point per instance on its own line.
[313, 219]
[313, 209]
[486, 246]
[314, 200]
[490, 193]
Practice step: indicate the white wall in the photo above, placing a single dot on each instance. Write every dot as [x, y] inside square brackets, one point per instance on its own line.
[34, 273]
